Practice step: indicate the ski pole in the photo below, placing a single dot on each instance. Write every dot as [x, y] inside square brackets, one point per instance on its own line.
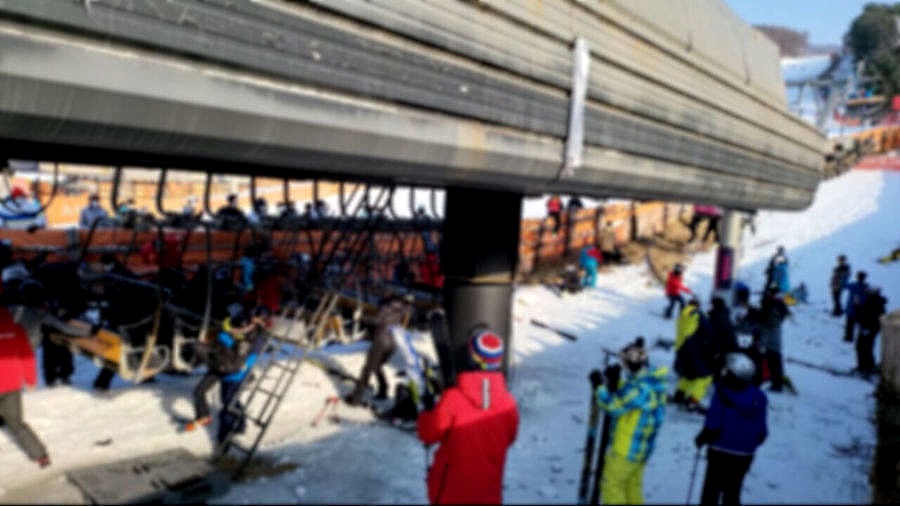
[693, 473]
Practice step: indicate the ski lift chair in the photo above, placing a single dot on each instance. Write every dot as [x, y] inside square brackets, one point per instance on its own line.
[110, 350]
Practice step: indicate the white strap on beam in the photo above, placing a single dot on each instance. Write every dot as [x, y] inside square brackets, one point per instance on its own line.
[581, 61]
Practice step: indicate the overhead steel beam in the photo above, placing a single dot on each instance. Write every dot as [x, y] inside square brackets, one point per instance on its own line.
[446, 93]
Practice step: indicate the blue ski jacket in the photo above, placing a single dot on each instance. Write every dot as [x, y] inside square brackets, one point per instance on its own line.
[736, 420]
[856, 295]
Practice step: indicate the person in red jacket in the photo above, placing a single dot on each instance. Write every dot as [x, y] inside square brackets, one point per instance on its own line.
[674, 288]
[475, 422]
[17, 368]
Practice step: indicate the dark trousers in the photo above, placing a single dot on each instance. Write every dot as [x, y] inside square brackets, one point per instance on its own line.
[850, 327]
[673, 299]
[836, 297]
[206, 383]
[865, 341]
[229, 421]
[614, 256]
[724, 477]
[695, 222]
[57, 362]
[776, 369]
[374, 365]
[11, 413]
[712, 228]
[104, 378]
[557, 221]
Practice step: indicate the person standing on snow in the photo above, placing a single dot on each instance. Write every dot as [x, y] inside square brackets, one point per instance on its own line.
[637, 407]
[734, 428]
[394, 311]
[18, 368]
[839, 277]
[694, 357]
[589, 259]
[475, 422]
[608, 247]
[856, 295]
[869, 318]
[772, 313]
[777, 272]
[674, 288]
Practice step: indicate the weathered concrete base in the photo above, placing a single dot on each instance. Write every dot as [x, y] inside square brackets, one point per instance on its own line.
[170, 477]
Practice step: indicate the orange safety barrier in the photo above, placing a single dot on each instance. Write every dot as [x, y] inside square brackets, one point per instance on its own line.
[537, 243]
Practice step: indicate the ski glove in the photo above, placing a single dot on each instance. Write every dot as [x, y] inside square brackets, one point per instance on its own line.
[705, 436]
[613, 373]
[596, 378]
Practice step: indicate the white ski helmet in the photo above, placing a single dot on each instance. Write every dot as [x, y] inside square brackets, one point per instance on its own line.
[740, 365]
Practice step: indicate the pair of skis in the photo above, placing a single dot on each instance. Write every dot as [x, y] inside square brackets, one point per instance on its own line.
[591, 473]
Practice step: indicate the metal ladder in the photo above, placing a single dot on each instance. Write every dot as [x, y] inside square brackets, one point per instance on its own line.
[265, 385]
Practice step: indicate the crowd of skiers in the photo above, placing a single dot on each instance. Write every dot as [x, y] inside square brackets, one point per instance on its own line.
[730, 348]
[863, 309]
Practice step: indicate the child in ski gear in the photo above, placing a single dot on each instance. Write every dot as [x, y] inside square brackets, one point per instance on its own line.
[772, 313]
[694, 357]
[589, 259]
[869, 318]
[17, 369]
[394, 311]
[734, 428]
[674, 288]
[777, 272]
[475, 421]
[636, 405]
[856, 294]
[840, 275]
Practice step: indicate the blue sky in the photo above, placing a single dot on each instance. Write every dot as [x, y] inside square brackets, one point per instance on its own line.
[826, 21]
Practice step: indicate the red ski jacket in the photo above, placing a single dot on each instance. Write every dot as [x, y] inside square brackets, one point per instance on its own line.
[17, 365]
[674, 285]
[475, 423]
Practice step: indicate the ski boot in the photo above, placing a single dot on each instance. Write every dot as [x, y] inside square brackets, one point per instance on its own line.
[203, 421]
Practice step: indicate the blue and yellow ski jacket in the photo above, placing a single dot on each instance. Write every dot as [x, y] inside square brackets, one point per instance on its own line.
[638, 409]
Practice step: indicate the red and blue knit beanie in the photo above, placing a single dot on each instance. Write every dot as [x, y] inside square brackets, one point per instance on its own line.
[486, 350]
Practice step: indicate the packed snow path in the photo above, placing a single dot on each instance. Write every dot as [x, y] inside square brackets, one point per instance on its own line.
[820, 444]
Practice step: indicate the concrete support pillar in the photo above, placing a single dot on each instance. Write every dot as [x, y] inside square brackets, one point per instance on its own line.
[479, 250]
[728, 253]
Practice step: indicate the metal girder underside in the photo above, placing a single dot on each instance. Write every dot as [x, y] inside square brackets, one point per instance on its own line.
[685, 105]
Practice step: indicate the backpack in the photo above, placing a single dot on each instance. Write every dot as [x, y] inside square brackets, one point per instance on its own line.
[224, 359]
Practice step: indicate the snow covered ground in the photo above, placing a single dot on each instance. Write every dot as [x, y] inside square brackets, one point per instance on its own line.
[801, 462]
